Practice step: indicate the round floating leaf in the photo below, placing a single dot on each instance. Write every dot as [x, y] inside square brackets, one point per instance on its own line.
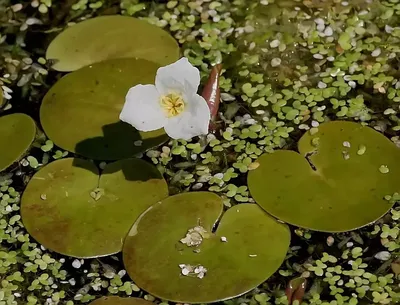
[17, 132]
[351, 169]
[67, 208]
[110, 37]
[120, 301]
[80, 113]
[246, 249]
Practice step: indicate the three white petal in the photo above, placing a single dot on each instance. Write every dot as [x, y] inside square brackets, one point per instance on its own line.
[143, 110]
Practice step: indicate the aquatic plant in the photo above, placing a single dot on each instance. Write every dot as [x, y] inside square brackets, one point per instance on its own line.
[289, 66]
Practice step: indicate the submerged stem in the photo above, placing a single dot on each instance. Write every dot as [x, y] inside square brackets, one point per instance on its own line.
[211, 94]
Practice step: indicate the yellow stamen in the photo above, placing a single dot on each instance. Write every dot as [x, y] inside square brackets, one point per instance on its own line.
[172, 104]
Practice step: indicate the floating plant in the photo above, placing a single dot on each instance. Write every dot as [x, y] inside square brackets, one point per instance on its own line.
[17, 132]
[69, 209]
[330, 186]
[80, 113]
[180, 250]
[121, 37]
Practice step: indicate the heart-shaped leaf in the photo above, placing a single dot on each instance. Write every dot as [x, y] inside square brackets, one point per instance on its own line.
[67, 208]
[355, 167]
[110, 37]
[173, 253]
[17, 132]
[80, 113]
[120, 301]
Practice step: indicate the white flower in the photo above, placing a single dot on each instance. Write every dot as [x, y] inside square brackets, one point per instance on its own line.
[172, 103]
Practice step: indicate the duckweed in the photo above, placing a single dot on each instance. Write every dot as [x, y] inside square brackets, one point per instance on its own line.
[288, 66]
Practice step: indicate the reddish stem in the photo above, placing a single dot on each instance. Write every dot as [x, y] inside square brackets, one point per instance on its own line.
[211, 93]
[296, 289]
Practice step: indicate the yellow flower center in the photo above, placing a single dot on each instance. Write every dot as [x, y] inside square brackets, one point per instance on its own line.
[172, 104]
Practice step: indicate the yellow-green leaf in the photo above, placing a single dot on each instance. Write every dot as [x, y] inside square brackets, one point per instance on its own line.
[109, 37]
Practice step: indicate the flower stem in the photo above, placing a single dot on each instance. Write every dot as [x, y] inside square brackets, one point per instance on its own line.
[296, 289]
[211, 93]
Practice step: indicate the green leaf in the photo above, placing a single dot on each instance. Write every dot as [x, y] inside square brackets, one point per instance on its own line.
[33, 162]
[17, 132]
[47, 146]
[344, 185]
[245, 249]
[344, 41]
[59, 211]
[80, 113]
[59, 154]
[110, 37]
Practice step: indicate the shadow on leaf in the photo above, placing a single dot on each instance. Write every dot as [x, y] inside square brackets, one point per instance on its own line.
[120, 141]
[117, 142]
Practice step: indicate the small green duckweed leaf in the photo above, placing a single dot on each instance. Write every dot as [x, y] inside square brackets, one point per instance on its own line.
[383, 169]
[97, 193]
[59, 154]
[315, 142]
[195, 236]
[203, 273]
[17, 132]
[313, 131]
[47, 146]
[80, 113]
[33, 162]
[113, 300]
[68, 209]
[344, 41]
[121, 37]
[361, 150]
[339, 183]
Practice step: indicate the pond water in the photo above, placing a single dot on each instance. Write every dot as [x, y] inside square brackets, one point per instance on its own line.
[289, 68]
